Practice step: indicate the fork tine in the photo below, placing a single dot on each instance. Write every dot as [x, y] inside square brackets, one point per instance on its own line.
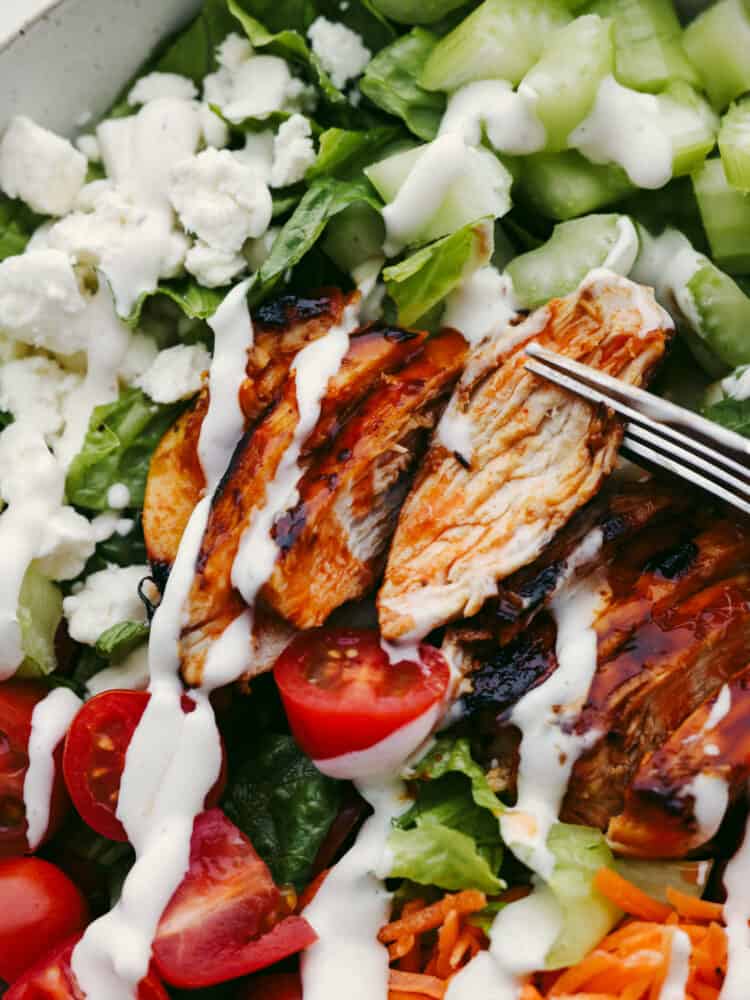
[570, 380]
[639, 452]
[696, 431]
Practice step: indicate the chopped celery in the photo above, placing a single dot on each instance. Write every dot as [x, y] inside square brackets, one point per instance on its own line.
[717, 43]
[416, 11]
[500, 40]
[726, 217]
[562, 186]
[655, 877]
[691, 125]
[722, 311]
[39, 614]
[354, 236]
[565, 80]
[574, 249]
[482, 191]
[648, 43]
[734, 145]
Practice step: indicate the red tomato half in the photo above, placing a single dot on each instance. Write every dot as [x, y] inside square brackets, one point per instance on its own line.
[94, 757]
[228, 918]
[276, 986]
[39, 907]
[52, 979]
[341, 692]
[17, 702]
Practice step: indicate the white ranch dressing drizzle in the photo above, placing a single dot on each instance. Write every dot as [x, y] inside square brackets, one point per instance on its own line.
[507, 117]
[675, 982]
[130, 675]
[49, 724]
[482, 306]
[736, 917]
[174, 758]
[710, 792]
[652, 315]
[624, 252]
[548, 752]
[667, 263]
[720, 708]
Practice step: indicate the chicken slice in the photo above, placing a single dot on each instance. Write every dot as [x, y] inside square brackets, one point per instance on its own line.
[175, 478]
[538, 455]
[678, 798]
[213, 602]
[333, 541]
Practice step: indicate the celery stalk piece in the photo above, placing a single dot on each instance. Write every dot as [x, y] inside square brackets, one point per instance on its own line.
[500, 40]
[574, 249]
[648, 43]
[563, 84]
[718, 44]
[723, 312]
[734, 145]
[691, 124]
[726, 217]
[563, 186]
[354, 236]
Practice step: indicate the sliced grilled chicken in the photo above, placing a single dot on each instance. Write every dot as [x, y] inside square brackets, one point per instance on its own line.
[175, 479]
[385, 395]
[538, 454]
[333, 541]
[680, 793]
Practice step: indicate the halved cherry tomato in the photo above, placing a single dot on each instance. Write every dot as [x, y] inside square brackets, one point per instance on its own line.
[39, 907]
[52, 979]
[94, 757]
[227, 918]
[341, 692]
[17, 702]
[274, 986]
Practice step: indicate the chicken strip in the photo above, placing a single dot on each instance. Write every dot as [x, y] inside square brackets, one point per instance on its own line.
[679, 796]
[538, 454]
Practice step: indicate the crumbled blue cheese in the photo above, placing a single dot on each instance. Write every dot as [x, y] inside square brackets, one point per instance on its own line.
[176, 373]
[155, 85]
[107, 598]
[118, 496]
[35, 389]
[293, 151]
[220, 199]
[258, 153]
[89, 145]
[341, 50]
[41, 168]
[213, 267]
[140, 353]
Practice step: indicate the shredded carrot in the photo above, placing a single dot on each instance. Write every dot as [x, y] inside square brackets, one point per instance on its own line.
[629, 897]
[432, 917]
[695, 909]
[416, 982]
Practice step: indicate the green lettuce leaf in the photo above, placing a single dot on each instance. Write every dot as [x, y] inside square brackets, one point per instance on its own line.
[390, 82]
[17, 224]
[361, 16]
[424, 279]
[450, 837]
[344, 153]
[195, 301]
[284, 804]
[118, 447]
[39, 614]
[324, 199]
[120, 640]
[731, 413]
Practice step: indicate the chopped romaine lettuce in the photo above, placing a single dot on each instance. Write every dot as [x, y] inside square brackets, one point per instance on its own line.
[432, 853]
[17, 224]
[118, 447]
[655, 877]
[390, 81]
[39, 614]
[731, 413]
[424, 279]
[119, 640]
[344, 153]
[195, 301]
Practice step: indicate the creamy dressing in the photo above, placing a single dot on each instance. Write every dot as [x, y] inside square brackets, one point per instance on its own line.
[624, 252]
[492, 107]
[737, 385]
[545, 715]
[627, 127]
[710, 793]
[456, 431]
[667, 263]
[736, 917]
[674, 986]
[50, 721]
[173, 758]
[482, 306]
[651, 315]
[132, 674]
[440, 165]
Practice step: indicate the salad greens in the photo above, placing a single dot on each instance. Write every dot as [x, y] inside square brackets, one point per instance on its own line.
[39, 615]
[17, 224]
[120, 640]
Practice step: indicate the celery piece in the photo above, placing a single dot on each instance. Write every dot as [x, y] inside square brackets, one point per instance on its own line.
[500, 40]
[691, 124]
[574, 249]
[565, 80]
[562, 186]
[726, 217]
[648, 43]
[717, 43]
[39, 614]
[734, 145]
[354, 236]
[723, 313]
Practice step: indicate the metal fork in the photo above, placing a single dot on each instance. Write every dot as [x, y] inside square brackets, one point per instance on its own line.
[659, 432]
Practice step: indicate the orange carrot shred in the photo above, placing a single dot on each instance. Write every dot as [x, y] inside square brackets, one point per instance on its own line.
[694, 909]
[417, 982]
[629, 897]
[431, 917]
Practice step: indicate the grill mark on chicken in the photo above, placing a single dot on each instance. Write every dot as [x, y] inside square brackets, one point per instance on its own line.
[175, 480]
[659, 818]
[540, 454]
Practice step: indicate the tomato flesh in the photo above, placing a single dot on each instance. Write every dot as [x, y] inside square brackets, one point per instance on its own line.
[94, 757]
[39, 907]
[52, 979]
[341, 693]
[227, 918]
[17, 702]
[274, 986]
